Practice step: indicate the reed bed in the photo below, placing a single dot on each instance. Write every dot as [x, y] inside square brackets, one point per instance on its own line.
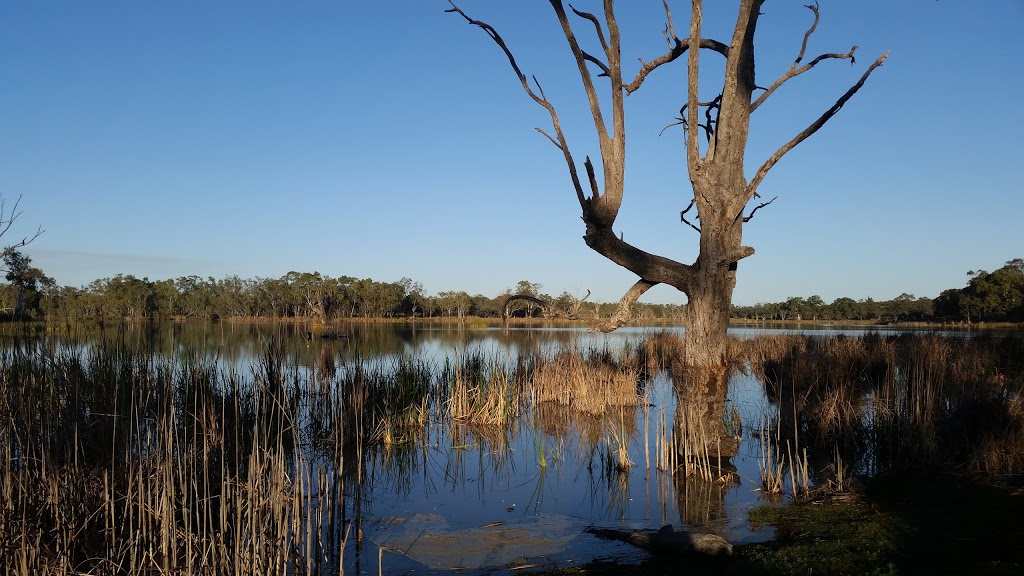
[120, 462]
[482, 390]
[590, 381]
[895, 403]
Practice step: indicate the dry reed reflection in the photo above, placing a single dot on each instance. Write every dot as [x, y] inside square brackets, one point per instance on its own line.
[120, 460]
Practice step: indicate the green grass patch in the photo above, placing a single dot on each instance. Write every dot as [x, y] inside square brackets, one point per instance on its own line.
[898, 526]
[825, 538]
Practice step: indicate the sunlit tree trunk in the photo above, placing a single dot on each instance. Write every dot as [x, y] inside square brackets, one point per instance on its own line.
[716, 130]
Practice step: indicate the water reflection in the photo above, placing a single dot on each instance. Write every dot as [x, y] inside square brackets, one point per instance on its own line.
[383, 431]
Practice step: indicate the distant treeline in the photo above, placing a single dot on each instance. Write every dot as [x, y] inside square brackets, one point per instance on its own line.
[296, 295]
[988, 297]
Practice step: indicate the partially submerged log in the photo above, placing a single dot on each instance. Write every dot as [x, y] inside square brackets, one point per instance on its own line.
[668, 541]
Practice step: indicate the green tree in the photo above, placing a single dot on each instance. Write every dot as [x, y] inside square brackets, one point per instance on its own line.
[525, 307]
[845, 309]
[995, 296]
[815, 306]
[25, 281]
[124, 296]
[415, 298]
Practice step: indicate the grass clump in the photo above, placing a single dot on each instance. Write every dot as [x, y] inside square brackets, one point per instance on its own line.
[816, 538]
[594, 381]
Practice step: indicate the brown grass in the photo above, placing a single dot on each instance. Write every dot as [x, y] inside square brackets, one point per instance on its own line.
[589, 381]
[177, 492]
[919, 400]
[116, 462]
[482, 391]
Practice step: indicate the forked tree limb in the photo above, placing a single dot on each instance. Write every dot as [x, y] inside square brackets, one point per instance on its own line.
[670, 27]
[807, 132]
[538, 98]
[682, 217]
[597, 26]
[795, 71]
[677, 48]
[581, 64]
[622, 313]
[750, 216]
[7, 220]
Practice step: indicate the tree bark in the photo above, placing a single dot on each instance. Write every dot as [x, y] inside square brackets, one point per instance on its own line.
[716, 134]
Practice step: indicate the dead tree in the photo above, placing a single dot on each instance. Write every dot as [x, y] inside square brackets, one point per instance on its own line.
[716, 139]
[548, 309]
[7, 218]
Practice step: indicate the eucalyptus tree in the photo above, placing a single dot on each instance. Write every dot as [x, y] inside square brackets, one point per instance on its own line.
[25, 282]
[124, 296]
[415, 297]
[233, 297]
[454, 303]
[166, 298]
[994, 296]
[716, 132]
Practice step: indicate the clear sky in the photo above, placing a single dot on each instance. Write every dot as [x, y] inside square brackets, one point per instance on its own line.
[389, 139]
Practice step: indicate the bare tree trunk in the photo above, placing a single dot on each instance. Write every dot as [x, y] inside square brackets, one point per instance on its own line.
[716, 133]
[701, 378]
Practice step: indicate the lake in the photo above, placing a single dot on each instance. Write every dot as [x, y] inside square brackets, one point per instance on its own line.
[381, 472]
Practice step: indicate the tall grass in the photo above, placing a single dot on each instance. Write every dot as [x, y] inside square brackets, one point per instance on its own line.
[589, 380]
[899, 402]
[481, 389]
[116, 462]
[120, 462]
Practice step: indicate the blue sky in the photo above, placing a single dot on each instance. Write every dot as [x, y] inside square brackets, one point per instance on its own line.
[389, 139]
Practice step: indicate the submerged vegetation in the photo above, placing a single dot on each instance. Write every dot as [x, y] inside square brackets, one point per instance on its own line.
[898, 403]
[123, 460]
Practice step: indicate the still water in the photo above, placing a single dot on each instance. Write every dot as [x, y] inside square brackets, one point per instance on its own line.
[481, 498]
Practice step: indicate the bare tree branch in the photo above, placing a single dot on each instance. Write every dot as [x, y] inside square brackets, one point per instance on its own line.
[597, 26]
[679, 122]
[793, 70]
[750, 217]
[588, 82]
[807, 35]
[622, 313]
[692, 76]
[682, 217]
[670, 27]
[548, 136]
[817, 124]
[578, 304]
[657, 269]
[677, 50]
[7, 219]
[592, 178]
[735, 257]
[598, 63]
[539, 99]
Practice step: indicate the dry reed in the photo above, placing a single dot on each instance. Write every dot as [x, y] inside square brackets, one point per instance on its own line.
[591, 381]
